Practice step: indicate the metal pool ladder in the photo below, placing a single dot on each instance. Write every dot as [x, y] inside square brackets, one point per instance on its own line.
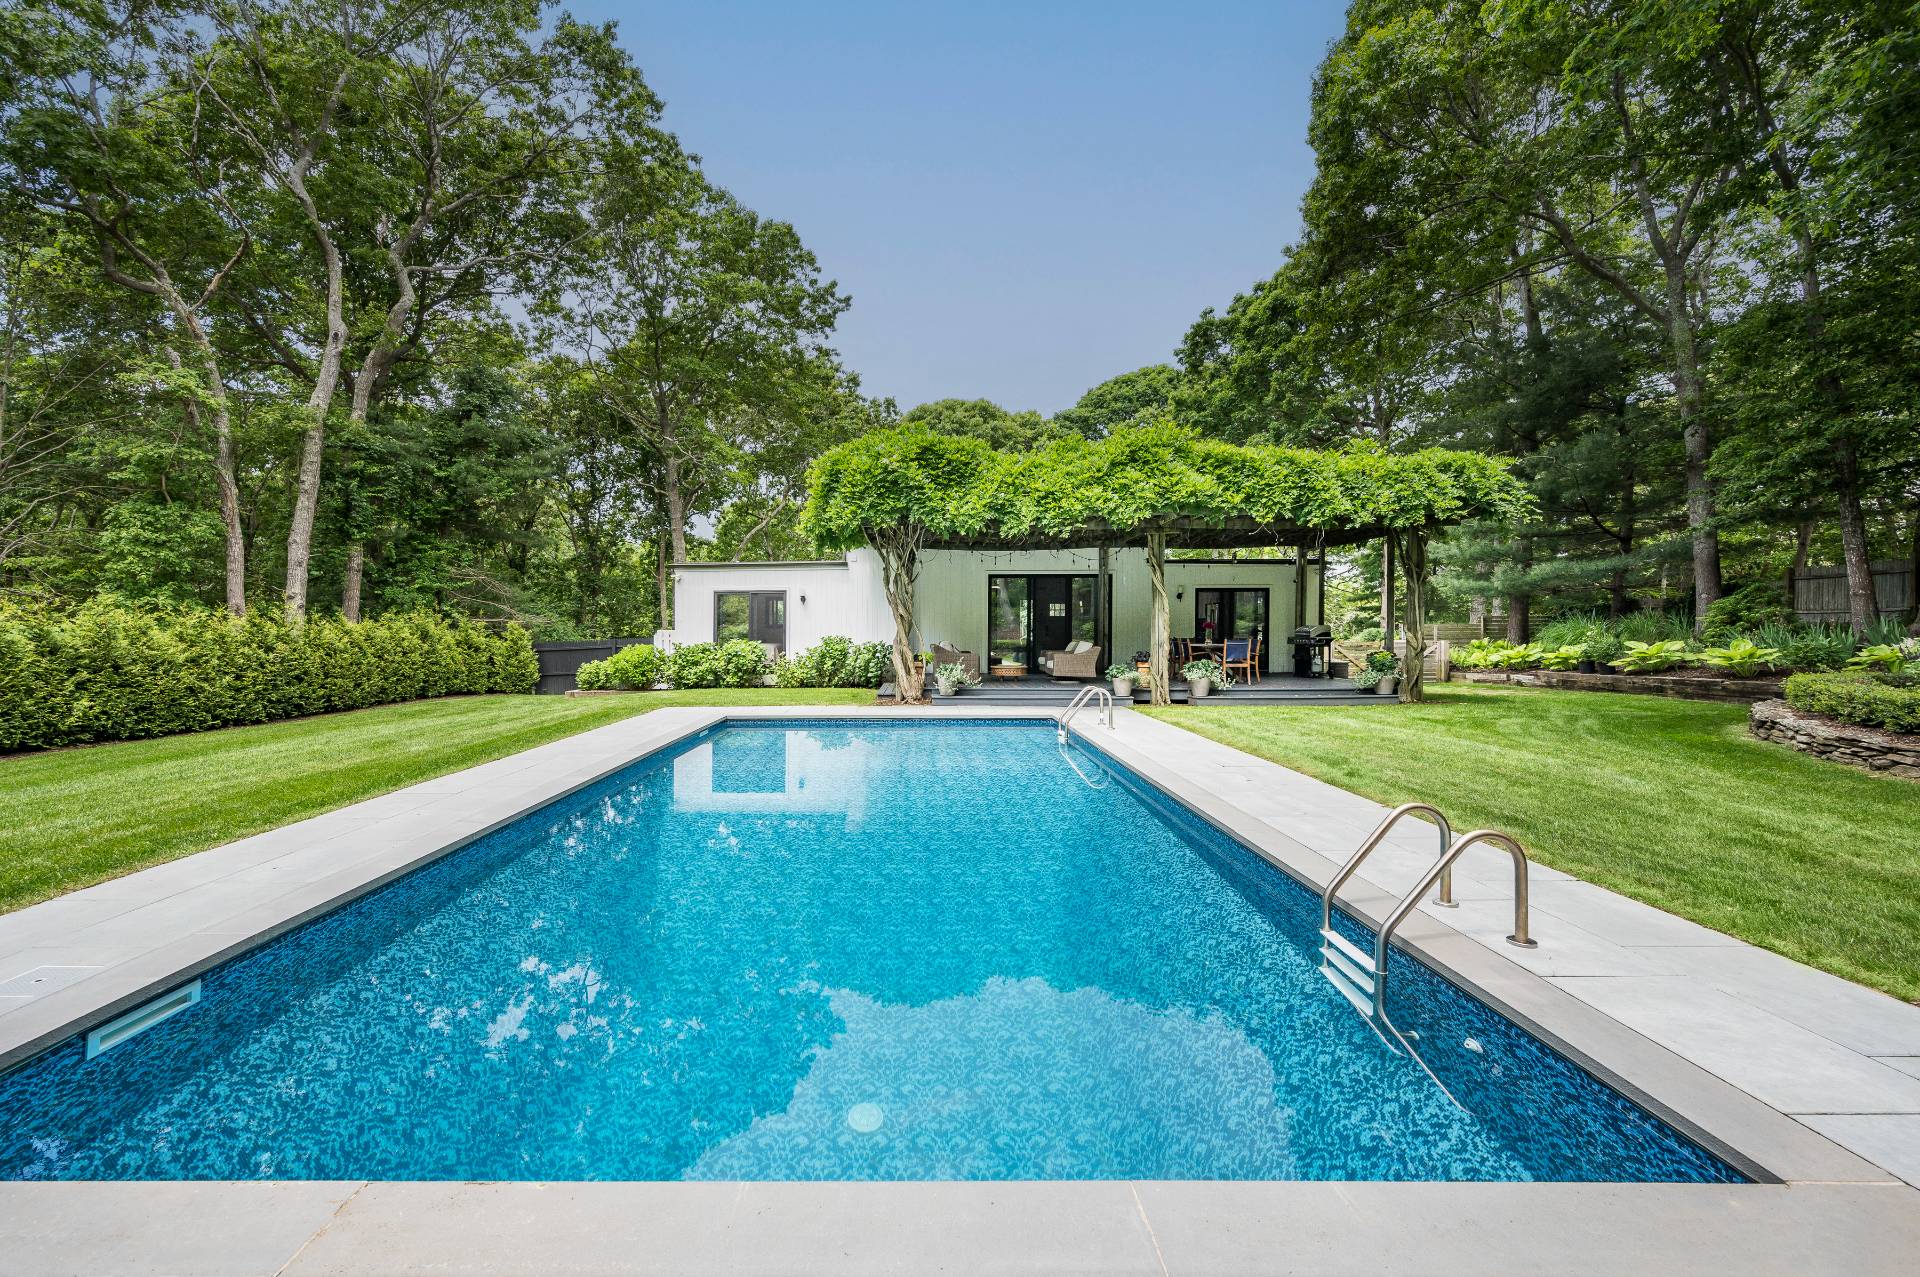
[1089, 693]
[1361, 977]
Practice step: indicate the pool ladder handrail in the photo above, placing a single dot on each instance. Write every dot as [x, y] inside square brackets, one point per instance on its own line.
[1362, 978]
[1092, 692]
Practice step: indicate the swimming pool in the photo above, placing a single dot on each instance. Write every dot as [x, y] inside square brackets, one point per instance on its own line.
[828, 950]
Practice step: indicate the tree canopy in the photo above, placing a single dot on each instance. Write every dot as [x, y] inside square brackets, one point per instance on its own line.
[1158, 477]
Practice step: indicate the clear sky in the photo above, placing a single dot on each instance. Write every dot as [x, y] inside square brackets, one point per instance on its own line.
[1021, 199]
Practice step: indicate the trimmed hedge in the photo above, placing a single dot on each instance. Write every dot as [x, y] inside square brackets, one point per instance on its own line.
[1865, 699]
[109, 671]
[834, 662]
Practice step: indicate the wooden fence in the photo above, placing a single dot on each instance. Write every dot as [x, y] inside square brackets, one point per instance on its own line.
[559, 662]
[1820, 593]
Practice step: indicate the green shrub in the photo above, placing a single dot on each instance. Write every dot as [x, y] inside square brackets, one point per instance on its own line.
[1480, 654]
[111, 671]
[743, 663]
[1889, 701]
[827, 663]
[1523, 657]
[631, 668]
[869, 664]
[788, 672]
[1383, 660]
[694, 665]
[1653, 627]
[1747, 609]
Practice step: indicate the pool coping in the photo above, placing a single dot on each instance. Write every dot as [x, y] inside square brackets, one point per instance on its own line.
[419, 824]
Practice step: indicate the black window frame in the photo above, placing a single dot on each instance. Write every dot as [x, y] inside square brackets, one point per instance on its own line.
[750, 596]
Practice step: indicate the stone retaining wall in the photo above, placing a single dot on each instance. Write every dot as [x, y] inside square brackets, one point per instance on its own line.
[1884, 753]
[1738, 690]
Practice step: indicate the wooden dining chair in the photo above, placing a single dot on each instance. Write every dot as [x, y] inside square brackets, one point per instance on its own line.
[1239, 661]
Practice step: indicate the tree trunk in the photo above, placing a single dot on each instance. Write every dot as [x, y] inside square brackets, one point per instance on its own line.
[1159, 633]
[1413, 674]
[350, 592]
[660, 584]
[306, 502]
[1862, 608]
[225, 473]
[1519, 604]
[1386, 590]
[1689, 393]
[899, 564]
[676, 504]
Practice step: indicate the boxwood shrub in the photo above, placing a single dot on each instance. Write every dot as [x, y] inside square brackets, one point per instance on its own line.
[110, 671]
[1887, 701]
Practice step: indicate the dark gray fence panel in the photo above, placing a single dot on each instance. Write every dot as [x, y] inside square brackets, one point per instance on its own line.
[1820, 593]
[559, 662]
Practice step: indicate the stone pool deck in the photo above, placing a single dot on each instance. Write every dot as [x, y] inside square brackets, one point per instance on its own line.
[1811, 1083]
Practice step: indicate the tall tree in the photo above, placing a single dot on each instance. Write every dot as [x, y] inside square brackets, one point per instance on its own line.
[703, 326]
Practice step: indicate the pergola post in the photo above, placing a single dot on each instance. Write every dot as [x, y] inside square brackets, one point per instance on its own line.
[1161, 631]
[1299, 585]
[1102, 623]
[1413, 560]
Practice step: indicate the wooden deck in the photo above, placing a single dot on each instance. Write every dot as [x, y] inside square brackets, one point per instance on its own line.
[1042, 692]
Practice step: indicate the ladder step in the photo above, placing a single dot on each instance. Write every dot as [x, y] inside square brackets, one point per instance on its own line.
[1361, 977]
[1362, 1002]
[1354, 953]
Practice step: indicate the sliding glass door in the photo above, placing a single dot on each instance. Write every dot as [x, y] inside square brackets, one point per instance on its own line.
[1033, 613]
[1233, 612]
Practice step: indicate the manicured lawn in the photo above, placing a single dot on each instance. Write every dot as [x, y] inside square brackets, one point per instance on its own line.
[1670, 802]
[77, 816]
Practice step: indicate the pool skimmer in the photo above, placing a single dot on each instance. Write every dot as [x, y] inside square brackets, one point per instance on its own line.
[141, 1018]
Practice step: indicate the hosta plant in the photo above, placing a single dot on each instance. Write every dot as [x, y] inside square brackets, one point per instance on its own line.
[1651, 658]
[1520, 658]
[1743, 658]
[1880, 656]
[1564, 658]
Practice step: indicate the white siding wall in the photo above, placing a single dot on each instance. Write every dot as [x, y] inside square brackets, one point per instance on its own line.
[822, 598]
[951, 595]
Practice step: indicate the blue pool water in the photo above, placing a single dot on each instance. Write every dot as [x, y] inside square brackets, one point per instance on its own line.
[827, 951]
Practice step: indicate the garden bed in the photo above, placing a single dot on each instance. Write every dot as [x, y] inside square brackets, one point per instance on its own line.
[1691, 684]
[1869, 748]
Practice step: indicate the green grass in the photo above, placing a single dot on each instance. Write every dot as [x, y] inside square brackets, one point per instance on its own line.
[1668, 801]
[72, 817]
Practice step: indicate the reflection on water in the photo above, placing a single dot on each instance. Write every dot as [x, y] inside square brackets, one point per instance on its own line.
[757, 770]
[1017, 1081]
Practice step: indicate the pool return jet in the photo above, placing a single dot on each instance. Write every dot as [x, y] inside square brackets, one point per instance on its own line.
[1361, 977]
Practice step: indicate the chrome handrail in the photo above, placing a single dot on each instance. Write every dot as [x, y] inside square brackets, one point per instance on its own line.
[1079, 702]
[1105, 778]
[1519, 938]
[1373, 840]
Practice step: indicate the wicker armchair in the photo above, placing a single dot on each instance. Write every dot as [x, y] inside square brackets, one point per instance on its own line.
[1072, 664]
[945, 655]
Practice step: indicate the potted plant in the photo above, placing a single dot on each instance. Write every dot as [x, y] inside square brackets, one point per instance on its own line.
[1143, 666]
[1387, 666]
[951, 678]
[1122, 676]
[1203, 676]
[1600, 649]
[1367, 679]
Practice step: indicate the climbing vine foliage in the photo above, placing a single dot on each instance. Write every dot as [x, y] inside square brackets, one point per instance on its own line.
[941, 487]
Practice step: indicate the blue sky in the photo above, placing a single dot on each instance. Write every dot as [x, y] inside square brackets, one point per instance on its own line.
[1022, 200]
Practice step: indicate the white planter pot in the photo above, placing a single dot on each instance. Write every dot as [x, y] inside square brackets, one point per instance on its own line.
[1389, 685]
[1123, 687]
[1198, 687]
[946, 688]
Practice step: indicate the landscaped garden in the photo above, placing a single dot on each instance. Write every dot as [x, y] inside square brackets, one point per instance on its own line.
[73, 817]
[1668, 801]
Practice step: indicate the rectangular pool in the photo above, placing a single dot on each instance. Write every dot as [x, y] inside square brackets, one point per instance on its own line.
[828, 950]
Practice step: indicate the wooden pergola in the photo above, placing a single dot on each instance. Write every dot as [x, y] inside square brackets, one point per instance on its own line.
[1159, 487]
[1187, 533]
